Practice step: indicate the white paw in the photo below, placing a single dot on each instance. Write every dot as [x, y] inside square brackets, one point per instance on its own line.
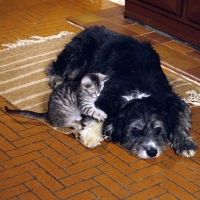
[188, 153]
[91, 135]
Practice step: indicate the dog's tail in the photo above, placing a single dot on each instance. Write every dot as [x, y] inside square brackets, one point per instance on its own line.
[28, 114]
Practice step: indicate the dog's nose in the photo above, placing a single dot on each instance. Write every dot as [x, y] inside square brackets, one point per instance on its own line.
[152, 152]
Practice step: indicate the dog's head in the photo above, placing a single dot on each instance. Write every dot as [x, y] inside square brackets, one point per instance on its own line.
[141, 127]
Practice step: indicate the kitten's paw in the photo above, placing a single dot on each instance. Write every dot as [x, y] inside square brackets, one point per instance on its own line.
[100, 115]
[77, 126]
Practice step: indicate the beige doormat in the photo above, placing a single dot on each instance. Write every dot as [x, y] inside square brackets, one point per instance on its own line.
[23, 81]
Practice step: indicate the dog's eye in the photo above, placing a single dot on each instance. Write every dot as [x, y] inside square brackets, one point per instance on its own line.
[157, 130]
[135, 130]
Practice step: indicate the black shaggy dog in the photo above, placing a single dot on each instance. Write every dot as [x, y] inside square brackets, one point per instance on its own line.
[144, 114]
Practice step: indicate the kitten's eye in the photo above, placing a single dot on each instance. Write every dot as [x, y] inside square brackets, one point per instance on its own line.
[87, 86]
[135, 130]
[157, 130]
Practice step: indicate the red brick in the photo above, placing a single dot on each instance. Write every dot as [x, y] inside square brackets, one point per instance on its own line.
[139, 164]
[195, 126]
[180, 169]
[30, 123]
[34, 130]
[197, 194]
[117, 163]
[47, 180]
[76, 189]
[90, 153]
[81, 157]
[115, 174]
[27, 149]
[141, 174]
[5, 145]
[189, 163]
[10, 122]
[35, 15]
[181, 181]
[177, 191]
[17, 170]
[31, 139]
[32, 19]
[83, 165]
[21, 159]
[102, 193]
[99, 150]
[167, 196]
[84, 195]
[150, 193]
[13, 198]
[87, 174]
[40, 190]
[146, 183]
[28, 195]
[121, 153]
[17, 180]
[60, 147]
[198, 170]
[197, 182]
[52, 155]
[79, 148]
[195, 135]
[67, 140]
[1, 112]
[10, 192]
[112, 186]
[25, 22]
[51, 168]
[8, 133]
[3, 157]
[144, 163]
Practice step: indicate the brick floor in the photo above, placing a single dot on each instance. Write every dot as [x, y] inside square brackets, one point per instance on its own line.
[37, 162]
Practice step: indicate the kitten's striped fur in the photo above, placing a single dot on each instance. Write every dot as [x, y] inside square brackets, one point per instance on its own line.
[69, 100]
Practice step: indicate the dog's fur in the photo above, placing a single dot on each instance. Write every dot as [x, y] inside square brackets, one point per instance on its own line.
[144, 114]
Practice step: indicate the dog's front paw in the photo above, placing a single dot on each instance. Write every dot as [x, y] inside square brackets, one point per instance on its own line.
[188, 153]
[186, 148]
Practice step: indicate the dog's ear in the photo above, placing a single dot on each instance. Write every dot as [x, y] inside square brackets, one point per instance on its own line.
[113, 128]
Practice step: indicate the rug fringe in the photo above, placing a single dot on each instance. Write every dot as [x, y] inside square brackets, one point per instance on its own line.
[35, 40]
[193, 99]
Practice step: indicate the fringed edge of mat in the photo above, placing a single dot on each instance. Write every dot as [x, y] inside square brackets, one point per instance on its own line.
[34, 40]
[193, 98]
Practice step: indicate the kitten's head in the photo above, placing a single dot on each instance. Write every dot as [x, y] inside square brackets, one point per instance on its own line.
[93, 83]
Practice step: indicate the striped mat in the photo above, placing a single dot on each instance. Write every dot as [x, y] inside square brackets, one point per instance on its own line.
[23, 81]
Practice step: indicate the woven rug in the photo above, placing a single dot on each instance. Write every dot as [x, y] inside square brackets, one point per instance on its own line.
[23, 81]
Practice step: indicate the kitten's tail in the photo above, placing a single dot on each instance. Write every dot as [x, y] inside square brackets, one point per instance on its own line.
[27, 113]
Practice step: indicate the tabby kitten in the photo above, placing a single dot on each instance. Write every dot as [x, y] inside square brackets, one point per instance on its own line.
[68, 101]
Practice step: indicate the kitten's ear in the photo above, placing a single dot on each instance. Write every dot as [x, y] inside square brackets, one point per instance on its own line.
[86, 81]
[102, 77]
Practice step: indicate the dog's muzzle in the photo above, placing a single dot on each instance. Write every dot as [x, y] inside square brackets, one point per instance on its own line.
[152, 152]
